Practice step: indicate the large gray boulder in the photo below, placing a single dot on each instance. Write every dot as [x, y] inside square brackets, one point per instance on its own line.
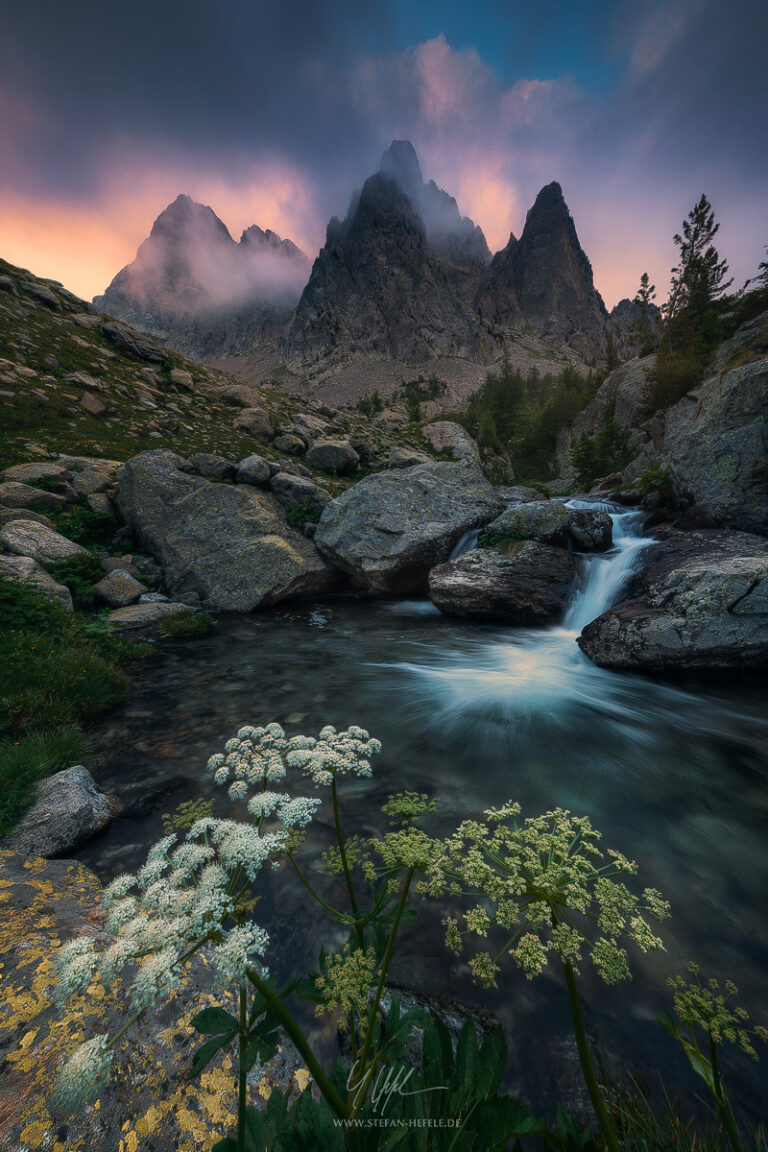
[68, 811]
[529, 583]
[228, 544]
[253, 470]
[27, 538]
[700, 605]
[28, 571]
[550, 521]
[335, 456]
[387, 531]
[447, 436]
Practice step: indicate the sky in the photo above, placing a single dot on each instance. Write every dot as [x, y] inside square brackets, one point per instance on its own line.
[274, 111]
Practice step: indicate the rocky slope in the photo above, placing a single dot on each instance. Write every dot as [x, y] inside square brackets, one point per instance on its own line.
[196, 289]
[712, 443]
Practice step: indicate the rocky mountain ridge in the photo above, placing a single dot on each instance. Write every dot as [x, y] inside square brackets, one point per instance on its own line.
[404, 279]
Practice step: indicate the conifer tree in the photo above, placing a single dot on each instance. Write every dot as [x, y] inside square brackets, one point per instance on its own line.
[699, 279]
[644, 327]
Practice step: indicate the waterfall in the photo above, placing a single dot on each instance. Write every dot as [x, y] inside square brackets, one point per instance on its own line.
[605, 577]
[466, 544]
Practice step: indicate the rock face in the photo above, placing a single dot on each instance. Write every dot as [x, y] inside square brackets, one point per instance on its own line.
[715, 447]
[68, 811]
[27, 538]
[544, 279]
[700, 605]
[585, 529]
[376, 290]
[528, 584]
[198, 291]
[228, 544]
[26, 570]
[388, 530]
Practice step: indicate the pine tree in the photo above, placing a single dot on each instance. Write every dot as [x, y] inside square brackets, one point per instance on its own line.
[644, 327]
[762, 271]
[698, 280]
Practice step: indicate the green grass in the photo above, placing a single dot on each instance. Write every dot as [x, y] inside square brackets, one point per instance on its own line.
[58, 671]
[23, 763]
[186, 624]
[79, 574]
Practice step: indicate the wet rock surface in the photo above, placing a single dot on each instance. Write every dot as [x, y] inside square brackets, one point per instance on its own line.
[68, 810]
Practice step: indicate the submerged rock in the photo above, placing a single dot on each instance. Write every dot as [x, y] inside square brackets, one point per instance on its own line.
[387, 531]
[228, 544]
[528, 584]
[585, 529]
[68, 811]
[701, 605]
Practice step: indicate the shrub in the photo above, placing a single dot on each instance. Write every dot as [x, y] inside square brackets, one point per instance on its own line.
[370, 405]
[79, 574]
[300, 514]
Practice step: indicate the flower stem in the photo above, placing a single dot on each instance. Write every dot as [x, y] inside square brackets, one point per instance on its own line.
[607, 1129]
[278, 1006]
[242, 1086]
[721, 1100]
[345, 864]
[361, 1086]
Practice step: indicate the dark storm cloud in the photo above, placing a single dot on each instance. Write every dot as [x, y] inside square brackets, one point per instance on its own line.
[635, 108]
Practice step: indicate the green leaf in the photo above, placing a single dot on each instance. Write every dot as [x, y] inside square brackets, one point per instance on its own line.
[205, 1053]
[467, 1063]
[215, 1022]
[228, 1144]
[492, 1059]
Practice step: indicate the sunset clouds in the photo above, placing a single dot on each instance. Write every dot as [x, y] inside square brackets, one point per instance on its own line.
[275, 116]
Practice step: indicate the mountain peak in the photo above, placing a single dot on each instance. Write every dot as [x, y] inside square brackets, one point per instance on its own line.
[401, 163]
[184, 217]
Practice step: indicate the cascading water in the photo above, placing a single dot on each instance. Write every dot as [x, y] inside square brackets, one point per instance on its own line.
[533, 677]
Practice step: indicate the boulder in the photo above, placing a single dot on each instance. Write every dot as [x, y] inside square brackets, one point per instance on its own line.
[213, 467]
[128, 340]
[530, 583]
[15, 495]
[119, 588]
[312, 424]
[39, 470]
[446, 436]
[9, 514]
[586, 530]
[700, 605]
[26, 570]
[388, 530]
[89, 475]
[406, 458]
[228, 544]
[335, 456]
[68, 811]
[27, 538]
[241, 395]
[255, 422]
[296, 492]
[519, 494]
[287, 442]
[92, 405]
[146, 613]
[253, 470]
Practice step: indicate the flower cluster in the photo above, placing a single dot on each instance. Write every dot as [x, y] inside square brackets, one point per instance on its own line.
[540, 881]
[346, 982]
[706, 1006]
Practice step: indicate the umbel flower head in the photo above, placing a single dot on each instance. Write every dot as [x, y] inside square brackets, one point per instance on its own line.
[542, 882]
[700, 1004]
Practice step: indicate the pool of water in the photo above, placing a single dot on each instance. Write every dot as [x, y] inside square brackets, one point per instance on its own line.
[674, 776]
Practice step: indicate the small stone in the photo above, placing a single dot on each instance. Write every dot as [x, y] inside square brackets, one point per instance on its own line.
[146, 613]
[253, 470]
[289, 443]
[255, 422]
[119, 588]
[213, 467]
[154, 598]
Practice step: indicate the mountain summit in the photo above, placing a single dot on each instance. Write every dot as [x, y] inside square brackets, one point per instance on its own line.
[194, 287]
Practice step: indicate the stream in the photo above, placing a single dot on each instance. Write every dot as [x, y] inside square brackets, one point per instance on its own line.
[673, 776]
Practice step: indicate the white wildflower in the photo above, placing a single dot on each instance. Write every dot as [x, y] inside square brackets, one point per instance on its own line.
[239, 951]
[265, 803]
[86, 1071]
[157, 975]
[119, 887]
[298, 813]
